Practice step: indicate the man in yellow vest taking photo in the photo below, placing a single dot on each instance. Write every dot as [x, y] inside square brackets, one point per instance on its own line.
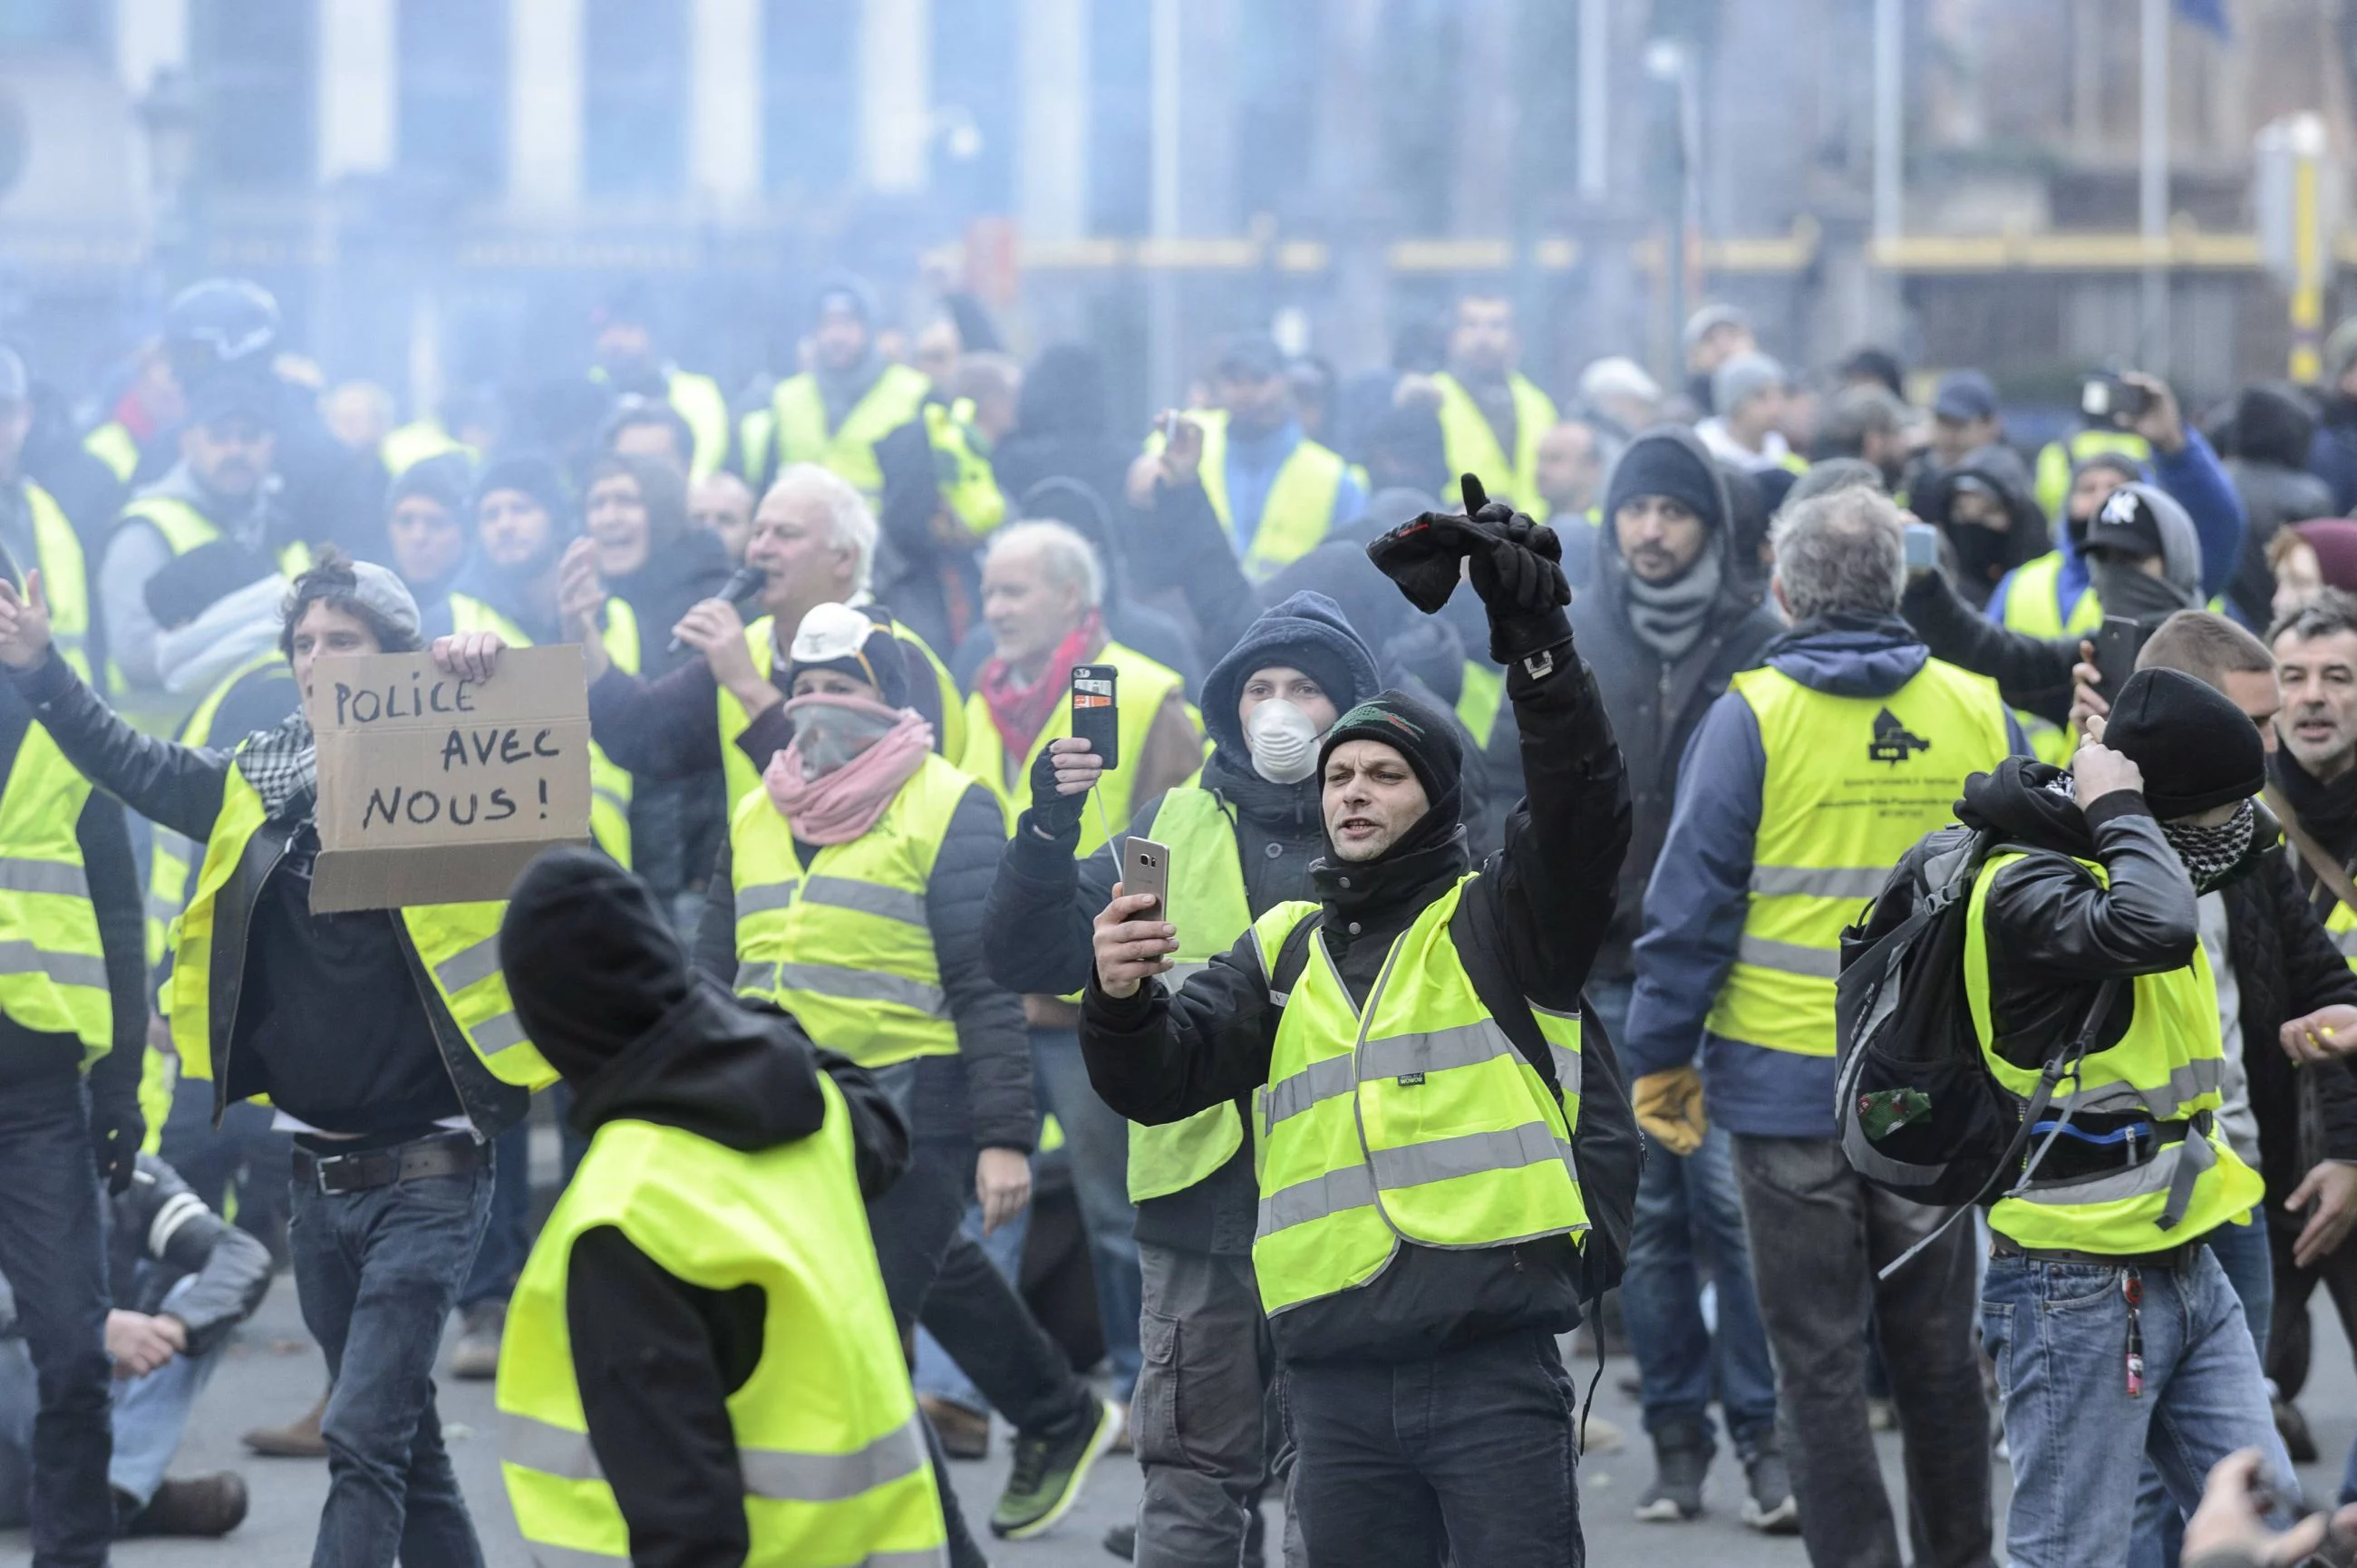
[1431, 1124]
[1812, 774]
[700, 1366]
[384, 1040]
[1248, 831]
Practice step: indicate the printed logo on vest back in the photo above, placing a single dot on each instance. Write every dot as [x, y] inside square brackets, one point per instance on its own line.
[1893, 742]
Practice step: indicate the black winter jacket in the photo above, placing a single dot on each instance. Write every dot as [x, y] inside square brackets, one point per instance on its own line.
[1532, 918]
[182, 787]
[1037, 931]
[1656, 705]
[984, 1091]
[657, 1358]
[2032, 674]
[159, 1221]
[2286, 967]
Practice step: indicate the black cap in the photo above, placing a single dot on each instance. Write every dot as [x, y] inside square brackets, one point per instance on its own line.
[1964, 394]
[2194, 746]
[2126, 524]
[1250, 357]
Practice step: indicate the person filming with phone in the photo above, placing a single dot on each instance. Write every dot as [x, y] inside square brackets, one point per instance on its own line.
[1243, 840]
[1446, 1160]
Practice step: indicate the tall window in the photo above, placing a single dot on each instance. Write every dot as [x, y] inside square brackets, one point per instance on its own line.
[255, 66]
[453, 114]
[635, 91]
[810, 107]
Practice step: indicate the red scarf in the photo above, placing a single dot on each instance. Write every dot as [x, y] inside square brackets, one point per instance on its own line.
[1022, 712]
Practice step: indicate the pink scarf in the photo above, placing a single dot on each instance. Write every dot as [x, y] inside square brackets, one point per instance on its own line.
[838, 807]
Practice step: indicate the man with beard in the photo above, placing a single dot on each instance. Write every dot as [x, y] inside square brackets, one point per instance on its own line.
[1427, 1171]
[1492, 416]
[835, 412]
[1665, 628]
[2315, 772]
[1248, 831]
[523, 519]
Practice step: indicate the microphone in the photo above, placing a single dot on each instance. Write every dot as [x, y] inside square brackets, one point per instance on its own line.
[742, 585]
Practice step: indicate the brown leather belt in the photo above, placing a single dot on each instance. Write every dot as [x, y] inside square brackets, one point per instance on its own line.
[451, 1154]
[2178, 1257]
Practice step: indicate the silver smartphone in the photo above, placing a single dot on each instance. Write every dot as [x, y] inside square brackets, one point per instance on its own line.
[1146, 868]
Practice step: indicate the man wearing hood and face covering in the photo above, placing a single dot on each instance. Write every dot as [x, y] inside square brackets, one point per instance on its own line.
[705, 1301]
[835, 412]
[1423, 1389]
[1246, 834]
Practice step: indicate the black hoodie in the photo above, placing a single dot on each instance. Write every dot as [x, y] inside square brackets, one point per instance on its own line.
[605, 991]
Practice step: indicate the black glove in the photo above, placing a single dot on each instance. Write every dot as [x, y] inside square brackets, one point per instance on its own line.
[116, 1130]
[1425, 556]
[1517, 566]
[1052, 814]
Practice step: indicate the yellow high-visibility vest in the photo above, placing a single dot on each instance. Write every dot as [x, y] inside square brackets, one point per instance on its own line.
[1851, 784]
[826, 1429]
[1472, 446]
[1412, 1118]
[1480, 700]
[1211, 910]
[52, 967]
[458, 945]
[697, 400]
[1298, 510]
[1144, 686]
[2169, 1065]
[172, 853]
[846, 946]
[2056, 460]
[65, 578]
[799, 422]
[184, 528]
[113, 444]
[405, 446]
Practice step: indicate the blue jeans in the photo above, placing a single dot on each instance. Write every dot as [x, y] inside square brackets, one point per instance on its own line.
[2058, 1332]
[507, 1238]
[52, 1252]
[377, 1273]
[2242, 1251]
[1679, 1201]
[1098, 1143]
[150, 1413]
[1471, 1451]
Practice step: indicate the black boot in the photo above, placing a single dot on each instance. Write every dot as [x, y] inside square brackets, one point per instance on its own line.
[1682, 1453]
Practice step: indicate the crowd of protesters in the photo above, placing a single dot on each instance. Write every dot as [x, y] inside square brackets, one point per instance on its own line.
[1538, 751]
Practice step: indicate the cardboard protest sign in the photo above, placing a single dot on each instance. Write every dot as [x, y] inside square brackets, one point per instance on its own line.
[437, 790]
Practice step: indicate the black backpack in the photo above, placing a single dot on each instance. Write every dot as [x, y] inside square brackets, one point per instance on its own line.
[1917, 1110]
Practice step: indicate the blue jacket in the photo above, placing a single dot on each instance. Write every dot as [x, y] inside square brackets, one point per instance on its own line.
[1695, 904]
[2199, 483]
[1251, 467]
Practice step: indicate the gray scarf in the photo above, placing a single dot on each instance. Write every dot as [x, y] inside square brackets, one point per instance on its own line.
[282, 765]
[1669, 618]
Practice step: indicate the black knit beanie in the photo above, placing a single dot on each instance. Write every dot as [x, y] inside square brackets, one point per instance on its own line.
[1427, 739]
[2194, 746]
[1667, 462]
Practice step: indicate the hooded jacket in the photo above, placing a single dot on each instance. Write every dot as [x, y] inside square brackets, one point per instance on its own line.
[2271, 431]
[594, 969]
[2194, 479]
[1695, 903]
[1039, 922]
[1999, 469]
[1656, 703]
[1532, 918]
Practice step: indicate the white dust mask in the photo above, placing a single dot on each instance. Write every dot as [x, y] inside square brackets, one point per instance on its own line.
[1282, 741]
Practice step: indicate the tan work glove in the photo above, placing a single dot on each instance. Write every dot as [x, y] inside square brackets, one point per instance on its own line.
[1668, 1108]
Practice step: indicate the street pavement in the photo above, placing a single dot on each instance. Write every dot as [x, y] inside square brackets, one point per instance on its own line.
[271, 1373]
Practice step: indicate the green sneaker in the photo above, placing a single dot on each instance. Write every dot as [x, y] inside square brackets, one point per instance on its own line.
[1048, 1472]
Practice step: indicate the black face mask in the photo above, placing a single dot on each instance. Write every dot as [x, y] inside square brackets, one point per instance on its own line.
[1983, 555]
[2125, 591]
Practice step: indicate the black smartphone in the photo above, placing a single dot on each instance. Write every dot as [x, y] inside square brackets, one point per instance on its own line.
[2117, 643]
[2106, 399]
[1096, 710]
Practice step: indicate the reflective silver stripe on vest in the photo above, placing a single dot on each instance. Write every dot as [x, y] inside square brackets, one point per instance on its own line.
[755, 978]
[2187, 1081]
[764, 898]
[1437, 1050]
[497, 1032]
[544, 1555]
[1791, 958]
[2155, 1175]
[859, 985]
[1416, 1163]
[1322, 1080]
[1567, 1069]
[866, 898]
[1819, 881]
[468, 965]
[58, 877]
[1351, 1186]
[65, 968]
[613, 797]
[782, 1474]
[2346, 941]
[786, 1477]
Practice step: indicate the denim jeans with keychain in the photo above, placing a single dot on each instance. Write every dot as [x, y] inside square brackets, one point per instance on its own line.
[2081, 1417]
